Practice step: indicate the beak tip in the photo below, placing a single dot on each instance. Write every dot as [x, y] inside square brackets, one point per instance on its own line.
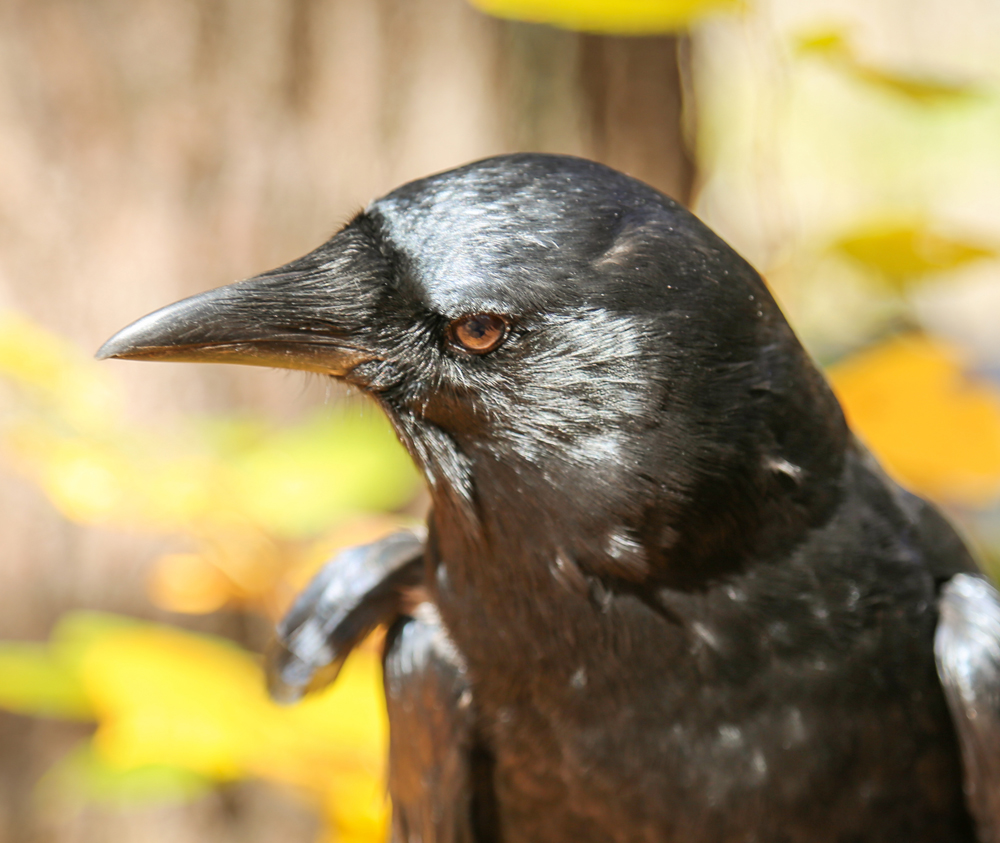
[144, 336]
[106, 351]
[117, 346]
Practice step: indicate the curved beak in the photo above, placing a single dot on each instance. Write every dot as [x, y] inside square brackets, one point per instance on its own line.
[307, 315]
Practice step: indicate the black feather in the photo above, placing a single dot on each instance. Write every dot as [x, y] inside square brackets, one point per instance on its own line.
[666, 595]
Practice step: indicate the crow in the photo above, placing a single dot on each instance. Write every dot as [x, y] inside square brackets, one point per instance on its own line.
[664, 593]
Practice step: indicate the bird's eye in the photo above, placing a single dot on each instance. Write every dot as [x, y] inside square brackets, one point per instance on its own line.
[479, 333]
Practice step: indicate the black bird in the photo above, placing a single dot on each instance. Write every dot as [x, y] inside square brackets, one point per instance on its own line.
[664, 595]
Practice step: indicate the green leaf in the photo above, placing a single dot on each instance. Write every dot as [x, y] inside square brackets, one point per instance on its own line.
[44, 679]
[624, 17]
[38, 679]
[84, 775]
[298, 481]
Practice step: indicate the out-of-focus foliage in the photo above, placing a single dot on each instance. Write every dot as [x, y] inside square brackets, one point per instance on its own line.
[855, 164]
[801, 139]
[905, 252]
[258, 504]
[293, 483]
[624, 17]
[834, 47]
[934, 427]
[176, 712]
[256, 511]
[38, 679]
[853, 160]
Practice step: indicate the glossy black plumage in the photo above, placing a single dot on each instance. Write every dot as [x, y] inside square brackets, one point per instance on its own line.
[665, 595]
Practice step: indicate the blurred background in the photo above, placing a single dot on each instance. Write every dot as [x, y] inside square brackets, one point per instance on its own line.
[156, 520]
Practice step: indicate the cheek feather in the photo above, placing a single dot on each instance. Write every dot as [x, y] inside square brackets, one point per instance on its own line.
[579, 395]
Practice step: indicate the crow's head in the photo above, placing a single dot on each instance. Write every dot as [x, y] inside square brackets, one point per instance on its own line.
[562, 349]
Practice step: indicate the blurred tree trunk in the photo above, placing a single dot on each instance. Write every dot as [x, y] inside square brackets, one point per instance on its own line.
[616, 100]
[150, 149]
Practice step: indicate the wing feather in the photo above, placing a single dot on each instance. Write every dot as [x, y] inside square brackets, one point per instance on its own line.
[357, 590]
[440, 778]
[433, 776]
[967, 649]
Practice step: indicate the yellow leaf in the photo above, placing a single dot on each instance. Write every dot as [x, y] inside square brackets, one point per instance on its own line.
[169, 698]
[55, 372]
[825, 42]
[176, 710]
[239, 567]
[188, 582]
[176, 488]
[902, 252]
[293, 483]
[834, 47]
[920, 90]
[86, 480]
[933, 427]
[369, 815]
[625, 17]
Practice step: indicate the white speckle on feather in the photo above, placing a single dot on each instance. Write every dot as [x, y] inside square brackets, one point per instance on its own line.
[730, 736]
[794, 731]
[705, 634]
[783, 466]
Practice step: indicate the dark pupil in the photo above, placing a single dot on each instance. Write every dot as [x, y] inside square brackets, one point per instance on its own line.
[479, 333]
[477, 328]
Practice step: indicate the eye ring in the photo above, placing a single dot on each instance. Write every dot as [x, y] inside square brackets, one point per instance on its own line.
[478, 333]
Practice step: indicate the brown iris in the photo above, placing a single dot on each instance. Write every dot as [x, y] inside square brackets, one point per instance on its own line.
[479, 333]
